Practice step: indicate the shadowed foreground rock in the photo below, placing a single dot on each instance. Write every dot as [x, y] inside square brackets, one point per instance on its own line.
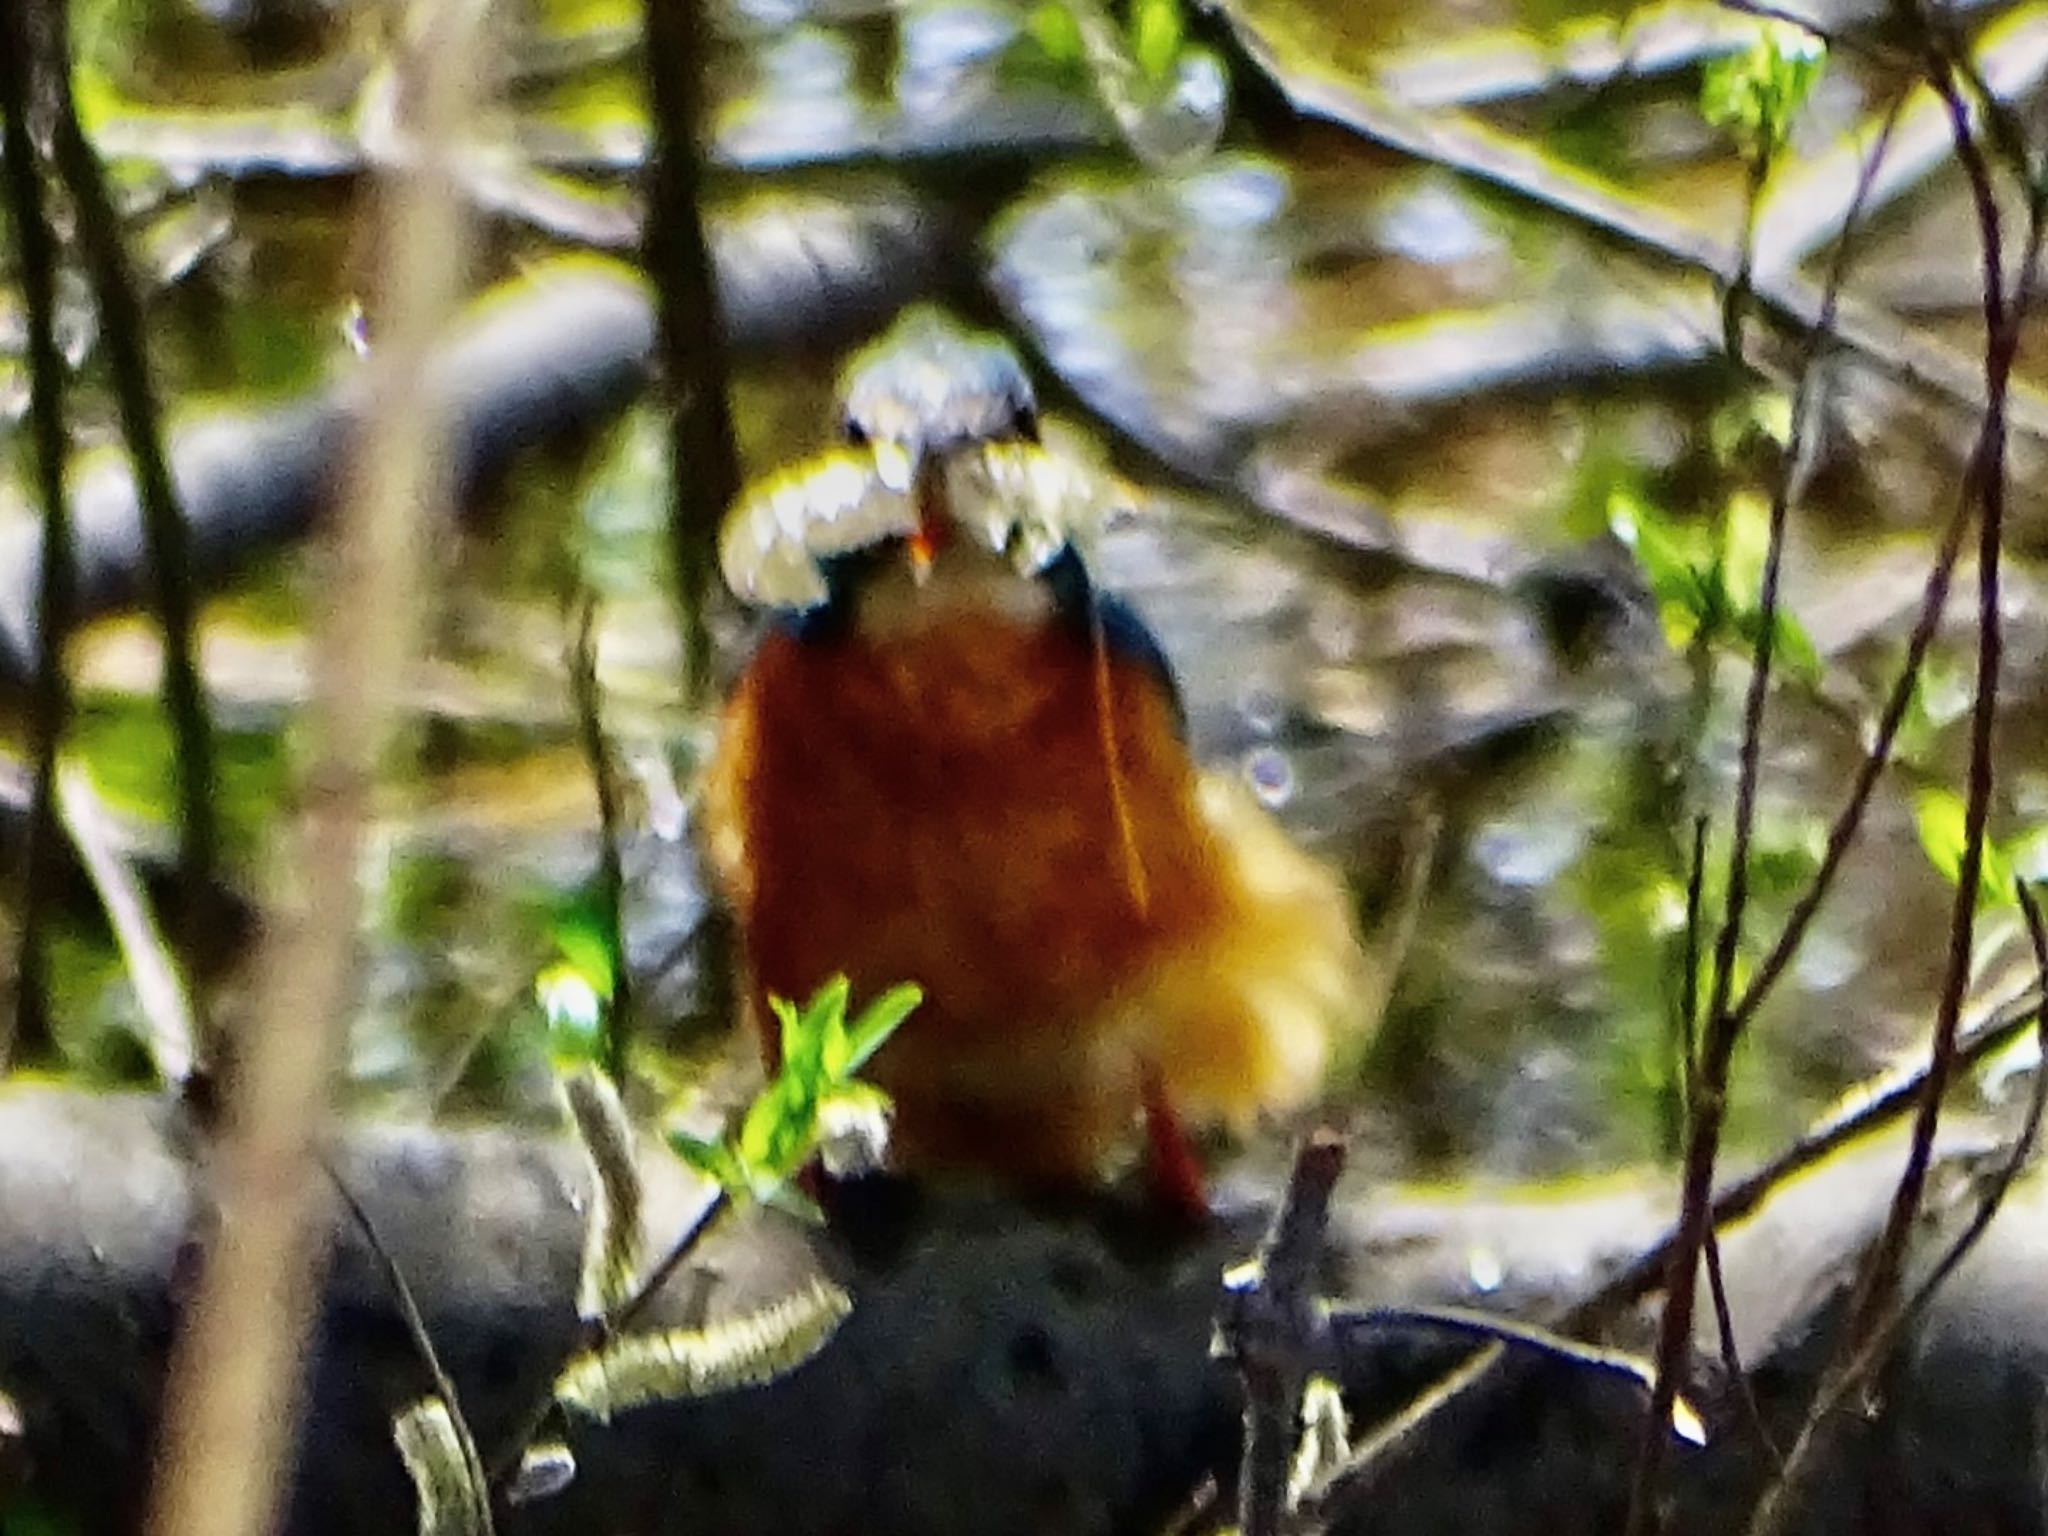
[1002, 1371]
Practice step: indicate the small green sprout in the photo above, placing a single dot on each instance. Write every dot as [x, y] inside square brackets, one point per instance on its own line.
[1754, 95]
[1710, 592]
[1157, 33]
[575, 992]
[795, 1116]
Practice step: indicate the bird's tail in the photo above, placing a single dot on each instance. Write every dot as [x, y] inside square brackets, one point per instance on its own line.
[1256, 1020]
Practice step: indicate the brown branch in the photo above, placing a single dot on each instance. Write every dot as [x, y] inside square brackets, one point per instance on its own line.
[238, 1358]
[1848, 822]
[1271, 1328]
[1989, 474]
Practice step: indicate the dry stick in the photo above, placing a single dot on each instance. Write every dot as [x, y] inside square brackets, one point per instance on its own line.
[124, 334]
[703, 458]
[1271, 1327]
[611, 878]
[1474, 1324]
[416, 1330]
[29, 1029]
[236, 1366]
[1871, 1322]
[1708, 1103]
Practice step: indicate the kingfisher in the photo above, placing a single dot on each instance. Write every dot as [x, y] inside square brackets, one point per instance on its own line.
[954, 760]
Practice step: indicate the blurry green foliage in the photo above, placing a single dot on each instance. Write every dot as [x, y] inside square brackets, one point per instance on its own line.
[1756, 94]
[126, 743]
[1708, 581]
[1157, 32]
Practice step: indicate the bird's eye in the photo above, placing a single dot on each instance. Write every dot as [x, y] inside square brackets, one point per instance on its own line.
[854, 432]
[1024, 420]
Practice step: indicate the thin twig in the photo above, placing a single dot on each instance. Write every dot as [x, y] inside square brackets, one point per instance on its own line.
[1469, 1386]
[703, 457]
[125, 339]
[237, 1361]
[2001, 347]
[611, 878]
[1635, 1369]
[1271, 1327]
[1876, 1348]
[1731, 1353]
[1873, 1319]
[29, 1033]
[1723, 1026]
[1717, 1285]
[415, 1328]
[159, 993]
[652, 1283]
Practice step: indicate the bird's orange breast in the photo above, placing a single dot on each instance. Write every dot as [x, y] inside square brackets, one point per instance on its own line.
[941, 807]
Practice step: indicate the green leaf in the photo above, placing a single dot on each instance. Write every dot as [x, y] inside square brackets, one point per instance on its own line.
[783, 1127]
[1940, 816]
[1792, 648]
[581, 936]
[713, 1159]
[1058, 35]
[806, 1035]
[1675, 578]
[1157, 31]
[776, 1123]
[877, 1022]
[1754, 95]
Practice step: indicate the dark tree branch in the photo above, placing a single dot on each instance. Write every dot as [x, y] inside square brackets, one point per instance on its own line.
[703, 458]
[125, 339]
[30, 1032]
